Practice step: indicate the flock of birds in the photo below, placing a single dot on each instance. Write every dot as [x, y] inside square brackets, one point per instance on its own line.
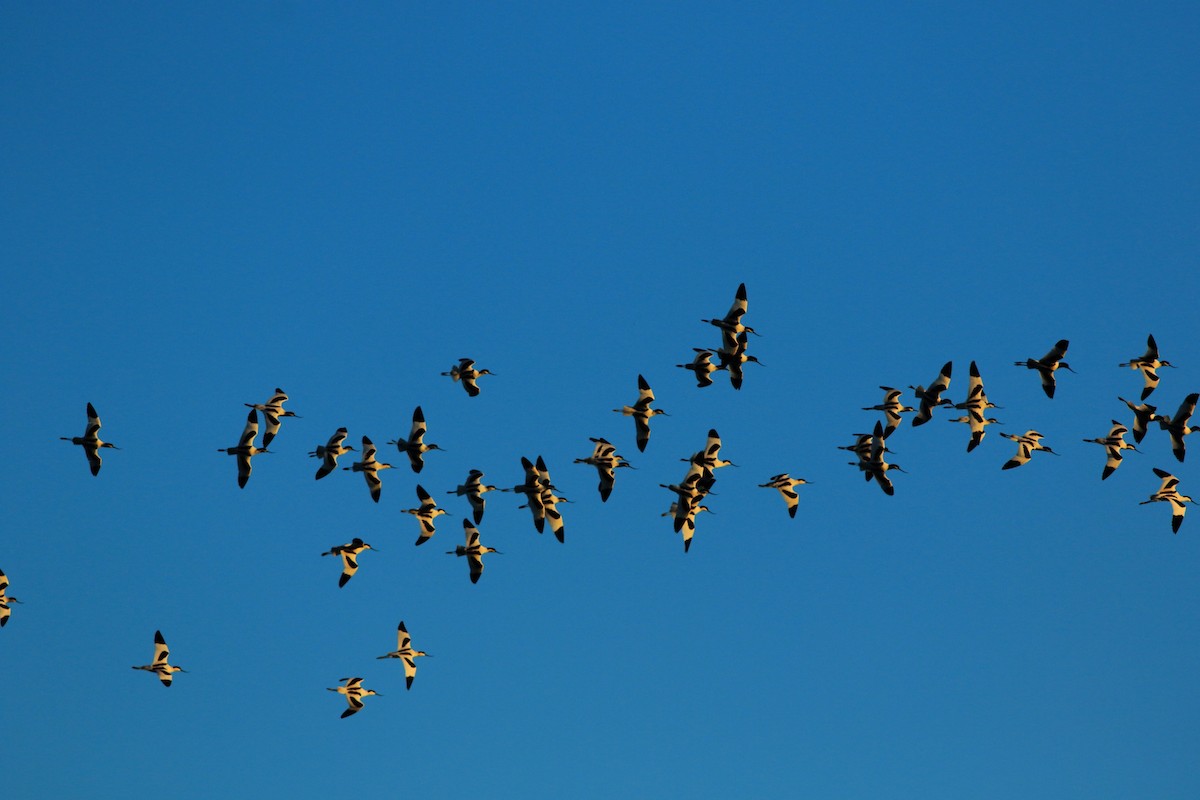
[541, 496]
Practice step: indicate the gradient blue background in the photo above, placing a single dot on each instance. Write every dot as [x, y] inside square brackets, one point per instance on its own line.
[199, 205]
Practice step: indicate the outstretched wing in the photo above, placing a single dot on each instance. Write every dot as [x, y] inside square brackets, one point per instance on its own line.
[1056, 353]
[93, 423]
[418, 426]
[250, 432]
[161, 653]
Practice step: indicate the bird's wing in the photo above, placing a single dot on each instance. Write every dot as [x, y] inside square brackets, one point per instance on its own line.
[250, 432]
[418, 426]
[607, 479]
[1056, 353]
[329, 465]
[1186, 409]
[335, 441]
[161, 652]
[739, 307]
[93, 423]
[645, 394]
[642, 426]
[92, 451]
[975, 384]
[373, 483]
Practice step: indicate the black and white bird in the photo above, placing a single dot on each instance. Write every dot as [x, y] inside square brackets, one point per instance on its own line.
[474, 490]
[607, 461]
[734, 358]
[872, 461]
[348, 552]
[329, 452]
[474, 551]
[405, 652]
[1048, 364]
[466, 373]
[1028, 443]
[976, 406]
[414, 446]
[353, 689]
[1148, 363]
[245, 449]
[426, 514]
[641, 412]
[273, 412]
[891, 407]
[931, 398]
[731, 324]
[5, 599]
[710, 457]
[1143, 415]
[1168, 492]
[542, 501]
[90, 441]
[549, 504]
[161, 666]
[1176, 425]
[702, 366]
[690, 494]
[532, 488]
[370, 468]
[1113, 444]
[787, 487]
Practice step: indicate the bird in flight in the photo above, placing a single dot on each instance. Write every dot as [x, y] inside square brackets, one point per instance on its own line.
[160, 666]
[90, 441]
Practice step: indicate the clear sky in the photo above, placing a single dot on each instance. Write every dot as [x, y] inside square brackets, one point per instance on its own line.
[201, 204]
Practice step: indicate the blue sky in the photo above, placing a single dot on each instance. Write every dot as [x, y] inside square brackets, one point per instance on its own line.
[203, 204]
